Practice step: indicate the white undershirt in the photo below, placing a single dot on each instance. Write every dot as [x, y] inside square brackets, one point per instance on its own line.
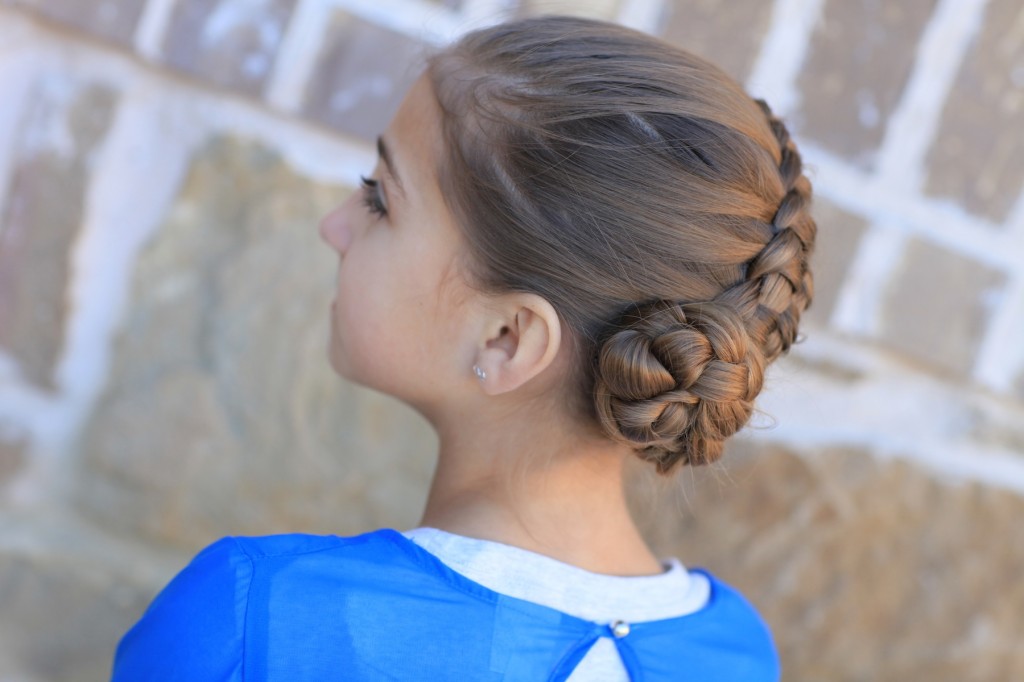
[596, 597]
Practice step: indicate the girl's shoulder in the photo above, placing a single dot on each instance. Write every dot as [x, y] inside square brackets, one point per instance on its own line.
[197, 626]
[259, 547]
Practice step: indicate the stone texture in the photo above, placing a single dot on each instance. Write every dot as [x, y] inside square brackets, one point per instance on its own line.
[361, 76]
[222, 413]
[856, 67]
[936, 307]
[864, 570]
[977, 156]
[62, 617]
[727, 33]
[114, 20]
[227, 42]
[62, 126]
[839, 234]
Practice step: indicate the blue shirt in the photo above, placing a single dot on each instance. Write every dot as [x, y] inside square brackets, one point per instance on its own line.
[377, 606]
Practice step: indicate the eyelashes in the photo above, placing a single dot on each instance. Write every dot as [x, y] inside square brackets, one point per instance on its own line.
[372, 198]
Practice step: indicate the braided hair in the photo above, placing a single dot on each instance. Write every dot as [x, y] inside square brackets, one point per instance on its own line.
[661, 210]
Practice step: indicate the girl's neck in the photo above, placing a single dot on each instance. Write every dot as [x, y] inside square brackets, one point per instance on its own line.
[567, 503]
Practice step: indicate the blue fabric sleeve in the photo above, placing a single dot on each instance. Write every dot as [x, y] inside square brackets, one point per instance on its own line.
[194, 628]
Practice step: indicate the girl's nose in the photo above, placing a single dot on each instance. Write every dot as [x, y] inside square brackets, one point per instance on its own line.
[336, 228]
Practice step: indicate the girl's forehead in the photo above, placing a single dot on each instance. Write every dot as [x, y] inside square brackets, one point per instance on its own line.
[414, 137]
[415, 147]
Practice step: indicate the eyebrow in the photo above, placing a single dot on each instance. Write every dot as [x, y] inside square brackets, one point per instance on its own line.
[385, 155]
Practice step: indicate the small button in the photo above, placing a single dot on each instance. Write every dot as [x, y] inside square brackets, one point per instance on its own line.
[620, 629]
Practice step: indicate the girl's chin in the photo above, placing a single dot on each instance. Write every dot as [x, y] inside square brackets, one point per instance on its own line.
[339, 362]
[334, 351]
[332, 361]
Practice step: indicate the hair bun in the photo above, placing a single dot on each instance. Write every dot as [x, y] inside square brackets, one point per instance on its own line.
[675, 379]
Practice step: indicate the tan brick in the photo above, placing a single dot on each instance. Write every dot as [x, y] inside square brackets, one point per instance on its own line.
[222, 414]
[844, 554]
[114, 20]
[977, 156]
[232, 44]
[936, 307]
[728, 33]
[856, 67]
[839, 234]
[361, 76]
[63, 123]
[62, 617]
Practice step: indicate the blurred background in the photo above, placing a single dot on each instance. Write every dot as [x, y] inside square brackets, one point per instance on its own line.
[164, 299]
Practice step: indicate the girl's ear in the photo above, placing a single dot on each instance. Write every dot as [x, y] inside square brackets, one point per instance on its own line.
[520, 344]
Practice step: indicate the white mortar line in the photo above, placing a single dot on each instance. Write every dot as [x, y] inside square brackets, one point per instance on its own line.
[783, 50]
[913, 124]
[956, 463]
[1015, 220]
[152, 28]
[937, 220]
[297, 54]
[114, 231]
[961, 459]
[414, 18]
[643, 15]
[920, 418]
[22, 403]
[1000, 358]
[32, 412]
[858, 307]
[480, 13]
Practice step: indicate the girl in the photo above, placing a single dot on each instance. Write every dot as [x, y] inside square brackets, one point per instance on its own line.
[579, 245]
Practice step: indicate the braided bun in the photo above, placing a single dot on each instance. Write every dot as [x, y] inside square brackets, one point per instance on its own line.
[673, 379]
[677, 379]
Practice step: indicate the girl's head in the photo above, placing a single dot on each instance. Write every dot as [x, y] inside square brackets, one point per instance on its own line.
[649, 217]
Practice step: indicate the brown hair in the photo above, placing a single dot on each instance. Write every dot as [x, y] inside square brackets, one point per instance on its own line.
[640, 190]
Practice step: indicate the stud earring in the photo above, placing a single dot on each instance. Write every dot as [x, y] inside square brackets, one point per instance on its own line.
[479, 372]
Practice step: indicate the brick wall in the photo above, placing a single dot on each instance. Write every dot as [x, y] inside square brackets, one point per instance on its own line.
[163, 165]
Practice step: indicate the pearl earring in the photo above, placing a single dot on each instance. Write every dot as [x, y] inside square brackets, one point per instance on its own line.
[479, 372]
